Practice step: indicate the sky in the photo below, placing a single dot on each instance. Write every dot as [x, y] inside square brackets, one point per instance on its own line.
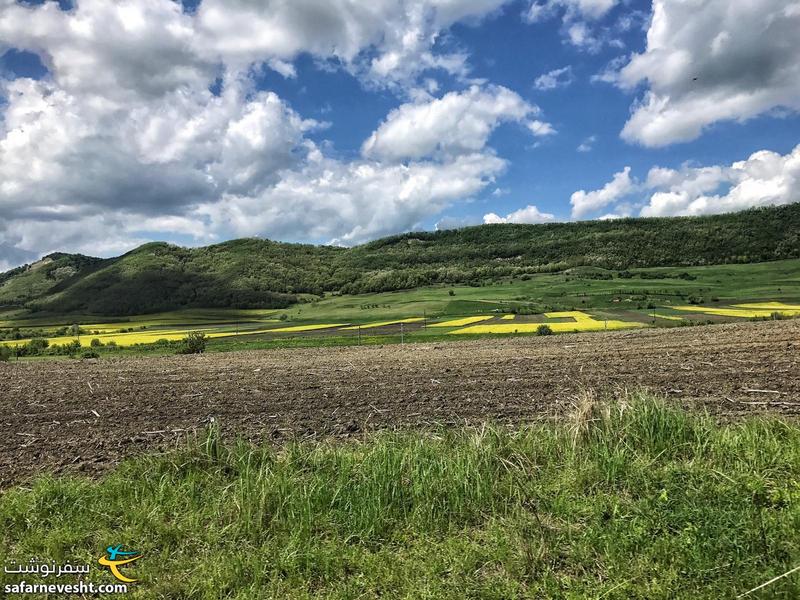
[341, 121]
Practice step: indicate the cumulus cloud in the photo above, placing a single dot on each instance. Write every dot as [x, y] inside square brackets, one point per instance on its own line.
[116, 50]
[401, 34]
[557, 78]
[710, 61]
[765, 178]
[151, 46]
[457, 123]
[63, 159]
[348, 203]
[584, 203]
[529, 214]
[579, 18]
[148, 123]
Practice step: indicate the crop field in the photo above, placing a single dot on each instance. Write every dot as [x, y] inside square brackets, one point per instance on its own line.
[747, 311]
[644, 297]
[461, 322]
[570, 321]
[383, 324]
[87, 415]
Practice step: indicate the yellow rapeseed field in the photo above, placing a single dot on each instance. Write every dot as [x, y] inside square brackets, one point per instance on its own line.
[461, 322]
[301, 328]
[746, 311]
[581, 322]
[508, 317]
[120, 339]
[384, 323]
[771, 306]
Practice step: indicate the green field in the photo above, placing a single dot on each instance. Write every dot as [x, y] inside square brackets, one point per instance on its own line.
[647, 502]
[620, 297]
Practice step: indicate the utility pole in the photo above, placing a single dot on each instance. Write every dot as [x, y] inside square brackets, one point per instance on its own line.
[402, 335]
[359, 335]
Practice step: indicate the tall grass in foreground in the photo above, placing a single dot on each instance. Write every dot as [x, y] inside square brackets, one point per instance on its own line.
[635, 499]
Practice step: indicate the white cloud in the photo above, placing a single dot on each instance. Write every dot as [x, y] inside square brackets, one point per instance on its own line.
[152, 46]
[579, 19]
[401, 34]
[449, 222]
[63, 157]
[541, 128]
[557, 78]
[766, 178]
[124, 141]
[529, 214]
[610, 73]
[349, 203]
[710, 61]
[584, 202]
[587, 144]
[458, 123]
[114, 50]
[574, 9]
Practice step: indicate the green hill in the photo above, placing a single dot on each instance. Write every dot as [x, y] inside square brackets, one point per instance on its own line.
[253, 273]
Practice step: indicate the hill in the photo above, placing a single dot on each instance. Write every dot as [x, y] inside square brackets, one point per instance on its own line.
[254, 273]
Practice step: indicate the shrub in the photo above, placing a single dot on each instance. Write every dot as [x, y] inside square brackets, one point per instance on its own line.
[90, 354]
[5, 353]
[35, 347]
[194, 343]
[95, 343]
[452, 293]
[544, 330]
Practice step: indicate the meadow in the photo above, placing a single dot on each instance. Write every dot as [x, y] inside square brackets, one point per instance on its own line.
[628, 499]
[589, 299]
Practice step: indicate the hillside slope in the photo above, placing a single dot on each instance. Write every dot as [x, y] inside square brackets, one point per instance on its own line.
[260, 273]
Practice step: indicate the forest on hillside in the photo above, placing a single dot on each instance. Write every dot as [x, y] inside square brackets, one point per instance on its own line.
[255, 273]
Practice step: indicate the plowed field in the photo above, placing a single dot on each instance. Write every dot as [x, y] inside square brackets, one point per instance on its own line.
[85, 416]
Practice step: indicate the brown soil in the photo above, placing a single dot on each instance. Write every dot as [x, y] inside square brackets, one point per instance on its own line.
[85, 416]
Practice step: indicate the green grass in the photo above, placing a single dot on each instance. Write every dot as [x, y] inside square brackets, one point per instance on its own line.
[622, 299]
[779, 280]
[628, 500]
[772, 281]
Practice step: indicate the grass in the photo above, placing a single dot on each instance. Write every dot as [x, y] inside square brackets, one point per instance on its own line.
[633, 499]
[725, 292]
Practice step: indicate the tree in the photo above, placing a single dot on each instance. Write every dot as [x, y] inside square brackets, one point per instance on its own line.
[194, 343]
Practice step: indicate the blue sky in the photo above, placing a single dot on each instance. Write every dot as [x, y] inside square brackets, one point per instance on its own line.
[346, 120]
